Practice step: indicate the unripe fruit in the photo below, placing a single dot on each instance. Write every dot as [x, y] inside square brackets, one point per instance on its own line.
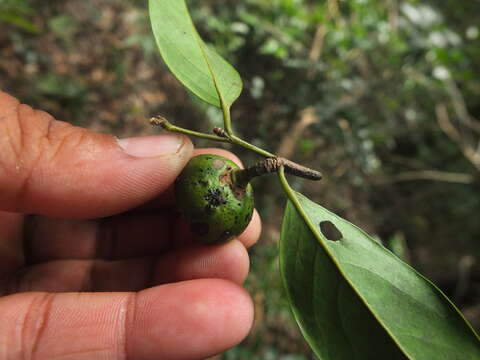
[215, 206]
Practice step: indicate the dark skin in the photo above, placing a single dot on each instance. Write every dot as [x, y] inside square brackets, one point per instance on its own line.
[106, 268]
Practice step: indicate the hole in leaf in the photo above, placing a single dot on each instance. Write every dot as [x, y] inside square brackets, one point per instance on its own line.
[330, 231]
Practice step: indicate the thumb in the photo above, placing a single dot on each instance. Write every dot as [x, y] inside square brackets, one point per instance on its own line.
[53, 168]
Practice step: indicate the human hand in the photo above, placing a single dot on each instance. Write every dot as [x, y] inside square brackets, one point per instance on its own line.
[105, 269]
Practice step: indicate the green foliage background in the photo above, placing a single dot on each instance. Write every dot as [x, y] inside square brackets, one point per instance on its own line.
[382, 96]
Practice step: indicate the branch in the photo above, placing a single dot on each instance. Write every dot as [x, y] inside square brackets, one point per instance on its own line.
[316, 50]
[287, 146]
[443, 119]
[307, 115]
[460, 106]
[272, 164]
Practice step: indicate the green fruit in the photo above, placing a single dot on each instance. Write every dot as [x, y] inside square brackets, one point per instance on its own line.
[215, 207]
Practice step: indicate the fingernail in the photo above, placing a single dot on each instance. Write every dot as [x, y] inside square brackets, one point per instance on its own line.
[152, 146]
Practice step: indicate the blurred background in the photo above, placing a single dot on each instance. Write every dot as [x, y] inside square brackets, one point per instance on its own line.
[382, 96]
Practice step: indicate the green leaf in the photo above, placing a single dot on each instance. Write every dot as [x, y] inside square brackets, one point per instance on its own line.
[354, 299]
[197, 66]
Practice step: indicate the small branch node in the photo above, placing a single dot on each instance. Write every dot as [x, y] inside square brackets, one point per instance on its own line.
[159, 120]
[220, 132]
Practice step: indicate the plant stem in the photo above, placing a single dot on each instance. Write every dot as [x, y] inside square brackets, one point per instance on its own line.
[287, 189]
[165, 124]
[242, 177]
[225, 137]
[227, 121]
[271, 164]
[299, 170]
[296, 203]
[247, 145]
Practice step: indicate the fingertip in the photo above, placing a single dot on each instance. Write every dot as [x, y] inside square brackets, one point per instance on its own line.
[7, 101]
[221, 152]
[253, 231]
[228, 261]
[151, 173]
[190, 320]
[238, 256]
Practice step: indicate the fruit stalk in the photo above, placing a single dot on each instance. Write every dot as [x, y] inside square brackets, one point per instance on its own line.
[242, 177]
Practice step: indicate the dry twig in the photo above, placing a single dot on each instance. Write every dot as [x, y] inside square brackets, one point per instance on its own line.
[470, 151]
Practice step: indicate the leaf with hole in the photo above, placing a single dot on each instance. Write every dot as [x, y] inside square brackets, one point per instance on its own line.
[354, 299]
[203, 71]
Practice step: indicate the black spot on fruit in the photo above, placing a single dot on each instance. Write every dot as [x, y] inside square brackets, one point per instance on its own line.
[216, 209]
[215, 197]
